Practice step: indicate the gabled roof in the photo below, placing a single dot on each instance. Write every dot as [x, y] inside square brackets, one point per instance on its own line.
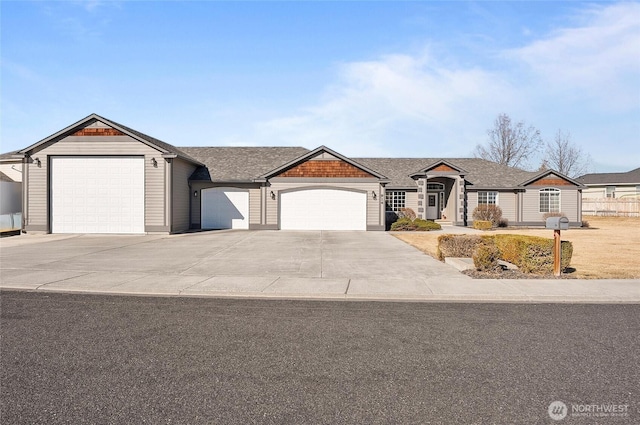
[239, 164]
[479, 173]
[166, 149]
[309, 155]
[546, 173]
[441, 163]
[630, 177]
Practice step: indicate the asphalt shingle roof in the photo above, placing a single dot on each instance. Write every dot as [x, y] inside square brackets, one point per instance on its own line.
[244, 164]
[240, 164]
[630, 177]
[480, 172]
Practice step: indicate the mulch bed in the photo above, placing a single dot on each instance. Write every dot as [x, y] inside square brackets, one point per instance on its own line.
[513, 274]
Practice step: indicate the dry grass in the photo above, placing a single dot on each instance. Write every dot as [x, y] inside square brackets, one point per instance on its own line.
[608, 249]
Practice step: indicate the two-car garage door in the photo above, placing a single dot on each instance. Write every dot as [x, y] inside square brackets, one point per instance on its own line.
[97, 194]
[323, 209]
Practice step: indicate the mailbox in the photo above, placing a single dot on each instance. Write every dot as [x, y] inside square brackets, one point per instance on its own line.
[558, 223]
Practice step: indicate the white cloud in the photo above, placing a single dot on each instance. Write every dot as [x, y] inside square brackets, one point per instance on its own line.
[597, 59]
[398, 103]
[415, 105]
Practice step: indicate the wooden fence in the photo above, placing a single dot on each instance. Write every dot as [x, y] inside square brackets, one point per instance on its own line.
[612, 207]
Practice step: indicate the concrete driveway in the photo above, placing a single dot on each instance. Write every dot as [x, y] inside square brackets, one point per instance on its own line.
[232, 262]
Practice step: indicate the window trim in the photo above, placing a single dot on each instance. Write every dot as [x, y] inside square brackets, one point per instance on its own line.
[393, 199]
[548, 191]
[487, 192]
[610, 192]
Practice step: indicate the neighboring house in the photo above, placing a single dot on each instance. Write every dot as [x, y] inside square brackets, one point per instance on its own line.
[611, 185]
[98, 176]
[11, 166]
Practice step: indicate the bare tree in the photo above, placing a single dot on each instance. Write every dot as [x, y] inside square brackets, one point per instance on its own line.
[510, 144]
[565, 157]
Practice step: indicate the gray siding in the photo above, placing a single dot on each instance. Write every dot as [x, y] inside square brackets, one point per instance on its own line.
[569, 204]
[254, 206]
[507, 203]
[531, 205]
[472, 203]
[97, 145]
[374, 216]
[411, 201]
[181, 194]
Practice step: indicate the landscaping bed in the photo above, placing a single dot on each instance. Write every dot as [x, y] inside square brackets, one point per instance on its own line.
[608, 249]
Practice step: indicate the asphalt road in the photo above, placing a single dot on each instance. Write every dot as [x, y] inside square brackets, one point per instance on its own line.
[110, 359]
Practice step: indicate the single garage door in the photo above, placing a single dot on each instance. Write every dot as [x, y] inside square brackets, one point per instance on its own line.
[225, 208]
[323, 209]
[97, 194]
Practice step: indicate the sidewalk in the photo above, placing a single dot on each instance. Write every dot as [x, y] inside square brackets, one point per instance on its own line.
[461, 289]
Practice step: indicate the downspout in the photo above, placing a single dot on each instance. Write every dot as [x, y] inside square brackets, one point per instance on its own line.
[190, 206]
[25, 193]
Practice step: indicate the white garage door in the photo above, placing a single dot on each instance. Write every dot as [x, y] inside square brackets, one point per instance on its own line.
[97, 195]
[323, 209]
[225, 208]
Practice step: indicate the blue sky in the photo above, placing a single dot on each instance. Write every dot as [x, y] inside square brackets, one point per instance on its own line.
[400, 79]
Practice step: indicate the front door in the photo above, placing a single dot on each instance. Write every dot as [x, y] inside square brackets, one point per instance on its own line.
[432, 206]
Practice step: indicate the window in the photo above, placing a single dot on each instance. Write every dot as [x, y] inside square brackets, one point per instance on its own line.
[395, 200]
[435, 187]
[610, 191]
[486, 198]
[549, 200]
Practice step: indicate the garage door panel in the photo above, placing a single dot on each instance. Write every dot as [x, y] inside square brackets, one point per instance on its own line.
[225, 208]
[323, 209]
[97, 195]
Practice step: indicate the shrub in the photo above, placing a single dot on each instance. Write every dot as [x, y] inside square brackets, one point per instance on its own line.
[503, 222]
[403, 223]
[457, 245]
[585, 224]
[426, 225]
[482, 225]
[532, 254]
[407, 213]
[488, 212]
[406, 224]
[486, 256]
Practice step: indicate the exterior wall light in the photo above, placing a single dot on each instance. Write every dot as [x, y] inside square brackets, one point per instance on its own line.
[272, 195]
[195, 193]
[37, 161]
[154, 162]
[374, 194]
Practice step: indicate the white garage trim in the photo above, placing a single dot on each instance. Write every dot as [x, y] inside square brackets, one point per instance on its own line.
[323, 209]
[97, 194]
[225, 208]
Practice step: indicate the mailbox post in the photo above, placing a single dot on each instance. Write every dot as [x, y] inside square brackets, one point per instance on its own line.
[557, 224]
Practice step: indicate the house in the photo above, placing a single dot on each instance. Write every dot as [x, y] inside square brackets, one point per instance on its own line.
[611, 185]
[11, 166]
[98, 176]
[10, 192]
